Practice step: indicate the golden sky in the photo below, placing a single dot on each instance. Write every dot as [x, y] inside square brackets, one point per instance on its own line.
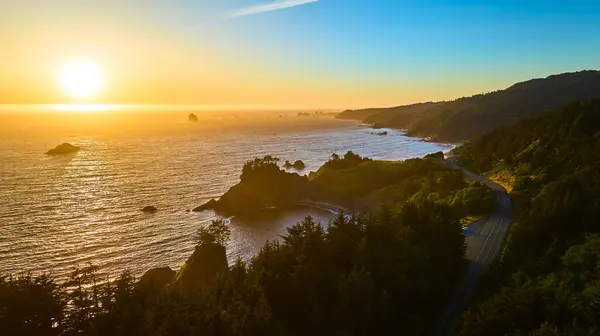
[303, 53]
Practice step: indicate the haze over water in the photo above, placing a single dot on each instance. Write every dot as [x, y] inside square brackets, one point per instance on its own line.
[60, 212]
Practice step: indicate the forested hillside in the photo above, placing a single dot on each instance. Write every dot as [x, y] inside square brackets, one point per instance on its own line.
[470, 117]
[366, 185]
[548, 279]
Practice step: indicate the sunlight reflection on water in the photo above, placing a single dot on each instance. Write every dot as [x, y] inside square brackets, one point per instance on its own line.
[59, 212]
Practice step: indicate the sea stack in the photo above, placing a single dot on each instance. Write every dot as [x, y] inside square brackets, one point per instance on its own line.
[299, 165]
[62, 149]
[192, 118]
[202, 270]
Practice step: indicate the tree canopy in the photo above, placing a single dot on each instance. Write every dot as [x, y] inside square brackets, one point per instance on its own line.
[216, 233]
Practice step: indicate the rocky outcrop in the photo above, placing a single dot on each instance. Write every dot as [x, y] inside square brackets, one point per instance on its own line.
[279, 189]
[149, 209]
[262, 185]
[210, 205]
[202, 269]
[156, 278]
[193, 118]
[65, 148]
[299, 165]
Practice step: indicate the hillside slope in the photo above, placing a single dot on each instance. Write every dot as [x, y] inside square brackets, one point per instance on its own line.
[547, 281]
[393, 117]
[470, 117]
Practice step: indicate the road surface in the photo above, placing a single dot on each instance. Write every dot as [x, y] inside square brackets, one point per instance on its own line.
[484, 240]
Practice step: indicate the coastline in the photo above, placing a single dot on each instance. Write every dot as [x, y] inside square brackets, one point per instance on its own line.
[407, 133]
[332, 208]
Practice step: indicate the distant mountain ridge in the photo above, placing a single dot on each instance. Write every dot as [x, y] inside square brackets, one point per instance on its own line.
[469, 117]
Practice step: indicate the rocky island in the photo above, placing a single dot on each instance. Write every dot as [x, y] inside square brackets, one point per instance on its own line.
[65, 148]
[193, 118]
[263, 185]
[298, 165]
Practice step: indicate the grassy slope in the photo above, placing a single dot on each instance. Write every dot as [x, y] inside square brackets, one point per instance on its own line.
[373, 184]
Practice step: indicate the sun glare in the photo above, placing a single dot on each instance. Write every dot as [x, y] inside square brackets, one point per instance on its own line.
[80, 79]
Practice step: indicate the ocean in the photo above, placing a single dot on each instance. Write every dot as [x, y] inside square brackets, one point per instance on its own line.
[58, 213]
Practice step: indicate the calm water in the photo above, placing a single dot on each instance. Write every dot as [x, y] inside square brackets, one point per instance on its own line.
[59, 212]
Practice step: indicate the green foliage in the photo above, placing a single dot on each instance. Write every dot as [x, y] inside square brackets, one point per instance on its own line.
[547, 280]
[349, 160]
[373, 184]
[476, 199]
[31, 305]
[258, 167]
[357, 183]
[216, 233]
[564, 302]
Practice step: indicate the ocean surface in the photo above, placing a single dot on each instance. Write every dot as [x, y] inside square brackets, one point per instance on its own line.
[57, 213]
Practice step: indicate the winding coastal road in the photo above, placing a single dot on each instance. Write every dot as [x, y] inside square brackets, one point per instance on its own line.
[484, 240]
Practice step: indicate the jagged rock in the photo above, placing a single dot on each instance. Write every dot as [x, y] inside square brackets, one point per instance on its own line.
[202, 269]
[192, 118]
[156, 278]
[65, 148]
[210, 205]
[287, 165]
[149, 209]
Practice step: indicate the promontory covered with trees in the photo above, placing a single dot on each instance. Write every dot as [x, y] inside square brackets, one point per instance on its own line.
[357, 183]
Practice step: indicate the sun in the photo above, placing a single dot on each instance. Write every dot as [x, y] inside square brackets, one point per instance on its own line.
[81, 79]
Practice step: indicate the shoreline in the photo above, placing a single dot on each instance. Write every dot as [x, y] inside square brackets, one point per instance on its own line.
[332, 208]
[423, 138]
